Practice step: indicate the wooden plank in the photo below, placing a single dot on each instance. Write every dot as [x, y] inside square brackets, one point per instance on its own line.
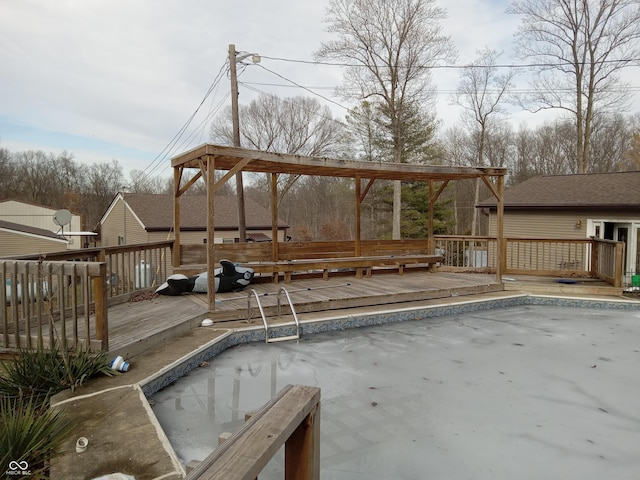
[247, 452]
[357, 263]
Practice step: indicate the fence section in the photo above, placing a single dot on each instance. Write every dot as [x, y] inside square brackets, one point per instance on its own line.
[463, 253]
[549, 257]
[60, 299]
[607, 260]
[47, 304]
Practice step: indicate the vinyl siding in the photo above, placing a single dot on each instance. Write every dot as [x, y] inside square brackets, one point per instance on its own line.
[554, 225]
[34, 216]
[114, 226]
[14, 243]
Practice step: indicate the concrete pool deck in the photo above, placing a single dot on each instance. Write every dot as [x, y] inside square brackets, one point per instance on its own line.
[124, 435]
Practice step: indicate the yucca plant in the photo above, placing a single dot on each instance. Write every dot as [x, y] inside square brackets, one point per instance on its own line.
[83, 365]
[41, 373]
[30, 433]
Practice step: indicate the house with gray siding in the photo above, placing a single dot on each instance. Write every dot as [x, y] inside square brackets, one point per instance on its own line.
[603, 205]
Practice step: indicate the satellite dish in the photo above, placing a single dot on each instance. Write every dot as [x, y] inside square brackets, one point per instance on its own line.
[62, 217]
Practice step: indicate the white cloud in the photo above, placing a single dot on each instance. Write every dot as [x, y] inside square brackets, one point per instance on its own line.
[128, 74]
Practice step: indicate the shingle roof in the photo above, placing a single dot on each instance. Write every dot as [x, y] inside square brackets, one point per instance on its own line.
[156, 212]
[30, 230]
[618, 190]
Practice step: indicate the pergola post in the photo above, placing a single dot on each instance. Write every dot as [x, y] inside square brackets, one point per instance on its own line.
[501, 245]
[211, 266]
[177, 175]
[357, 251]
[274, 218]
[432, 202]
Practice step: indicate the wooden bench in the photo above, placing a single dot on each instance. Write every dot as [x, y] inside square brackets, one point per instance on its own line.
[362, 265]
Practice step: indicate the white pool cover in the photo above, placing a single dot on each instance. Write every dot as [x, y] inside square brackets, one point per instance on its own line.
[526, 392]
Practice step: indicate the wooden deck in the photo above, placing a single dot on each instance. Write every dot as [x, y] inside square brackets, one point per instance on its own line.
[137, 326]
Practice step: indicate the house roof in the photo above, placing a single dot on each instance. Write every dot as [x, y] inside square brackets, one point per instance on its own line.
[156, 212]
[41, 232]
[617, 190]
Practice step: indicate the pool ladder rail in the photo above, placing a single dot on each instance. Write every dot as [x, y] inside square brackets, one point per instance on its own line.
[269, 339]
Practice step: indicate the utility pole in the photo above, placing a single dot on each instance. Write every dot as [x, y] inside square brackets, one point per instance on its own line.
[242, 224]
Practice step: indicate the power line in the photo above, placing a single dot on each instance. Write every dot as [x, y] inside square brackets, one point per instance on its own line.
[166, 151]
[304, 88]
[512, 91]
[449, 66]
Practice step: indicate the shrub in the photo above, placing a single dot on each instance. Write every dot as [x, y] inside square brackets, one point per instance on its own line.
[42, 373]
[29, 432]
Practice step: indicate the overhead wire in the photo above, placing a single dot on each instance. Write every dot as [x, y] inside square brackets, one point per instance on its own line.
[174, 144]
[450, 66]
[169, 148]
[262, 92]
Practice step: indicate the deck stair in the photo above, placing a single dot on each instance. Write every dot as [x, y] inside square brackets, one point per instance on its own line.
[268, 338]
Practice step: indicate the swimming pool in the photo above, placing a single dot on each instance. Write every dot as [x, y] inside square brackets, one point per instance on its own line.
[525, 391]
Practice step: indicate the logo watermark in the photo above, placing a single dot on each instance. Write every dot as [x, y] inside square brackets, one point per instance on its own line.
[18, 468]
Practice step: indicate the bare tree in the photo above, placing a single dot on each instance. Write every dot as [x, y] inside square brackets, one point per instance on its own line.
[580, 47]
[102, 183]
[8, 185]
[611, 138]
[521, 164]
[296, 125]
[481, 93]
[141, 183]
[388, 46]
[631, 157]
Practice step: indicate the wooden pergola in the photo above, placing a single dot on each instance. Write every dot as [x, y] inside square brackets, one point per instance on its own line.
[206, 159]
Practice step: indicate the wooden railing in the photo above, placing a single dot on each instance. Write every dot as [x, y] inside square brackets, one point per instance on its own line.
[60, 299]
[77, 285]
[607, 260]
[589, 257]
[263, 251]
[129, 267]
[291, 419]
[525, 256]
[549, 257]
[53, 304]
[464, 253]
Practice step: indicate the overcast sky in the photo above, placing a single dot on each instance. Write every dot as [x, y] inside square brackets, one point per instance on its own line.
[116, 79]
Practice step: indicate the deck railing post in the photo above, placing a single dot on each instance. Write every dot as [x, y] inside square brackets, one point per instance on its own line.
[100, 297]
[302, 449]
[595, 250]
[619, 265]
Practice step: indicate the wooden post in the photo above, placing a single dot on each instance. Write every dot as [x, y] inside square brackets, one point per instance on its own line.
[357, 250]
[595, 251]
[211, 281]
[302, 449]
[432, 202]
[274, 217]
[176, 216]
[235, 120]
[100, 297]
[501, 245]
[619, 266]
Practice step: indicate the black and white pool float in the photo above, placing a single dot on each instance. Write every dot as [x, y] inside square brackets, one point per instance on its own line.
[228, 278]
